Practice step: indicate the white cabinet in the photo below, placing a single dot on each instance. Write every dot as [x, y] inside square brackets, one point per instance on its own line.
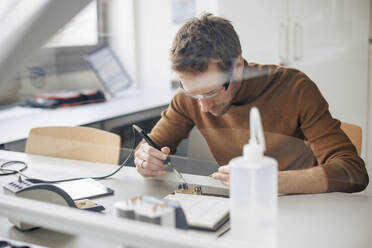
[326, 39]
[329, 42]
[258, 24]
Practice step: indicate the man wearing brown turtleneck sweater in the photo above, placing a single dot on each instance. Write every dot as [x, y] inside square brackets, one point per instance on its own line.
[217, 90]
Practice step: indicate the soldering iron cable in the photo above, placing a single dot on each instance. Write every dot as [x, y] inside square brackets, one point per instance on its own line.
[36, 180]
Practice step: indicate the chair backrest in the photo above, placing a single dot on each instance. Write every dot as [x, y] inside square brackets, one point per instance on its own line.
[79, 143]
[354, 133]
[198, 148]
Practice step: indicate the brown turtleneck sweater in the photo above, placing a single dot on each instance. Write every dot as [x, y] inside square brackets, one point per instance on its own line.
[299, 129]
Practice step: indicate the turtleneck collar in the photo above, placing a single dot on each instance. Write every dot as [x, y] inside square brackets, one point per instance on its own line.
[255, 79]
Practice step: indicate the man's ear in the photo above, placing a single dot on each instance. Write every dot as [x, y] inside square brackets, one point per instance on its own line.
[239, 64]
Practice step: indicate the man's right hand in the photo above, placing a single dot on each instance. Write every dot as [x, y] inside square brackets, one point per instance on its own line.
[149, 160]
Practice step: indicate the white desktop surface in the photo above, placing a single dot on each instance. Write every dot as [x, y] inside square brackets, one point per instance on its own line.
[317, 220]
[126, 183]
[16, 123]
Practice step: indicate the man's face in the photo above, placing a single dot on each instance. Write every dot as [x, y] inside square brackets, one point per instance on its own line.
[208, 88]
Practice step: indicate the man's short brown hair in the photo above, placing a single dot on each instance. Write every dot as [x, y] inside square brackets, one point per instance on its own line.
[203, 40]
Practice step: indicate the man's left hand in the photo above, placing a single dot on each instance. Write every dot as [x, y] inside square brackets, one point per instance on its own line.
[223, 174]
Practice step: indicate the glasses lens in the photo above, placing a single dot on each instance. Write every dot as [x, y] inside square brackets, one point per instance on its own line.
[211, 94]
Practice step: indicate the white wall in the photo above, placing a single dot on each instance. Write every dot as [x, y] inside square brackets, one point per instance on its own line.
[257, 24]
[156, 32]
[141, 33]
[155, 36]
[123, 34]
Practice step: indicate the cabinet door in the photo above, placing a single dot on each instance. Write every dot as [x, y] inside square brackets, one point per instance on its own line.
[329, 42]
[261, 26]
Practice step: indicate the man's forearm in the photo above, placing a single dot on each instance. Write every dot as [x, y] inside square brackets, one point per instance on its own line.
[312, 180]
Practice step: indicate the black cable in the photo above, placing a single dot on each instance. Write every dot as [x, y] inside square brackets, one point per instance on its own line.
[35, 180]
[101, 177]
[4, 171]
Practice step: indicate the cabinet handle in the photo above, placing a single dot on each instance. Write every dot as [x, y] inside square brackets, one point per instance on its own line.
[298, 41]
[283, 43]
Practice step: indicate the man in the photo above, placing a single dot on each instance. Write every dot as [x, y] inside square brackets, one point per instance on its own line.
[218, 89]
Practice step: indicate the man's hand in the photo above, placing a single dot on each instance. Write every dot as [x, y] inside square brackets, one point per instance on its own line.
[223, 174]
[312, 180]
[149, 160]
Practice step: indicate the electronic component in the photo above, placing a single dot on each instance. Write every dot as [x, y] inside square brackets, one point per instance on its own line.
[152, 210]
[185, 189]
[197, 190]
[86, 204]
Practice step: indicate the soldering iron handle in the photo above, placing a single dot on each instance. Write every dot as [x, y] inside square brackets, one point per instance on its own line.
[153, 144]
[149, 141]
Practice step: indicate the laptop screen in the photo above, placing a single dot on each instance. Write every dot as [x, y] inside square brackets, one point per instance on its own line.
[109, 70]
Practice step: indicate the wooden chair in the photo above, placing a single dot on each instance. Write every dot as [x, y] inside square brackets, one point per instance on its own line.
[354, 133]
[198, 148]
[79, 143]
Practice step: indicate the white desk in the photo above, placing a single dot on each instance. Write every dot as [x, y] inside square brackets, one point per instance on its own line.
[134, 105]
[126, 183]
[319, 220]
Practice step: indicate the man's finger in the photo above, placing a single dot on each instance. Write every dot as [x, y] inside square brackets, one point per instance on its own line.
[153, 167]
[224, 169]
[165, 150]
[150, 173]
[227, 183]
[150, 162]
[151, 151]
[221, 176]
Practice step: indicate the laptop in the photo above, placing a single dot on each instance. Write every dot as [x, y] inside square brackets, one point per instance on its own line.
[109, 70]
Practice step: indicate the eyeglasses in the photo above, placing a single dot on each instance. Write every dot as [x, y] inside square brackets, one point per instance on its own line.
[209, 94]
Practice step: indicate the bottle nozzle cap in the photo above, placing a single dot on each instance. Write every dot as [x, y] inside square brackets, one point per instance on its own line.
[253, 150]
[256, 146]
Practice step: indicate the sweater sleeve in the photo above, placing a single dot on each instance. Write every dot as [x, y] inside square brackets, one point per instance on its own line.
[174, 124]
[333, 150]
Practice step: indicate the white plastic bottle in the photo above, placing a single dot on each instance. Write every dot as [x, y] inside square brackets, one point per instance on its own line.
[254, 191]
